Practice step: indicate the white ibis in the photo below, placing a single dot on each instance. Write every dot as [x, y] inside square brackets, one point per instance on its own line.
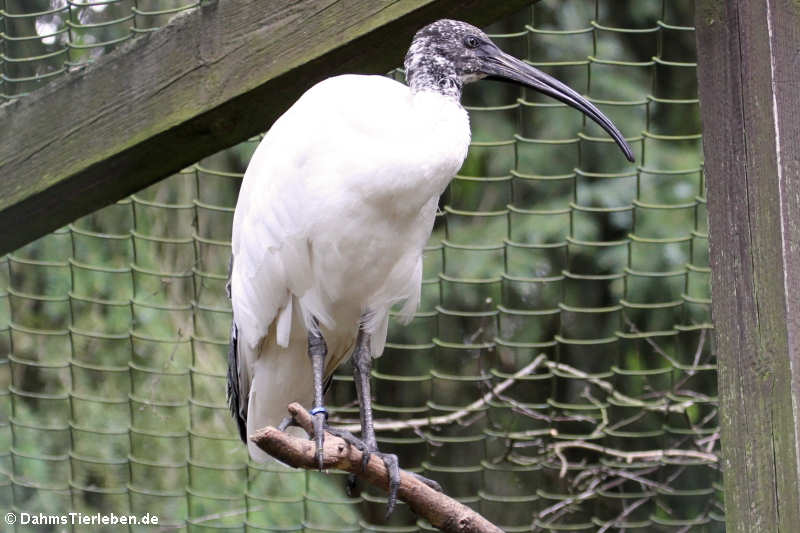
[335, 208]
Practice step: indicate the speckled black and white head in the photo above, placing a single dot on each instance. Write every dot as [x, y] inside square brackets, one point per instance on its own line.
[447, 54]
[444, 56]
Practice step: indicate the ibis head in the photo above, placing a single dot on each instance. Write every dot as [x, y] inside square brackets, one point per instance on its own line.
[447, 54]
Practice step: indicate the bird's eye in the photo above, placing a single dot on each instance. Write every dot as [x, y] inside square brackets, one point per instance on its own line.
[470, 41]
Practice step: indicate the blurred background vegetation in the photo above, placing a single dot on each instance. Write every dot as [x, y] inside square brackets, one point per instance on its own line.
[113, 330]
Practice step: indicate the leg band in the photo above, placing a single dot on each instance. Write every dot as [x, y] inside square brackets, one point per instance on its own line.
[320, 409]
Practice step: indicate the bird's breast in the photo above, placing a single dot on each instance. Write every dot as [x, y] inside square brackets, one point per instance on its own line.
[385, 212]
[375, 167]
[421, 154]
[442, 137]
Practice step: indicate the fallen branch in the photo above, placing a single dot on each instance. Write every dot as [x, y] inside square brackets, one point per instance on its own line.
[437, 508]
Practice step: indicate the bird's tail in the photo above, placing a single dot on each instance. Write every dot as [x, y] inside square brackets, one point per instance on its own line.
[234, 390]
[280, 376]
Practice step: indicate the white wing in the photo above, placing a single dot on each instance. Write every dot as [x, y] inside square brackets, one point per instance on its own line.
[280, 192]
[283, 187]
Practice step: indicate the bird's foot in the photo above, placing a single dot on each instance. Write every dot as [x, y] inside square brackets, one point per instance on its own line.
[357, 443]
[393, 469]
[286, 422]
[320, 422]
[319, 419]
[389, 460]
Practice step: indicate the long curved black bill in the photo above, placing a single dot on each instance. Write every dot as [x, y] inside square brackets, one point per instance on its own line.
[500, 64]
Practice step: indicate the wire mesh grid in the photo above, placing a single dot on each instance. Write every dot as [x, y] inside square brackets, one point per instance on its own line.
[559, 375]
[41, 39]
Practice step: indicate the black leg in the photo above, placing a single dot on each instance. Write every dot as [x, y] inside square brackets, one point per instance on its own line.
[362, 367]
[368, 444]
[317, 350]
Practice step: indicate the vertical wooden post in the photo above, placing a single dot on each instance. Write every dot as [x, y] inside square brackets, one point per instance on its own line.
[749, 80]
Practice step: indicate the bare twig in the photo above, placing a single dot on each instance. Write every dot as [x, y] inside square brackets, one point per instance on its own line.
[440, 510]
[627, 511]
[638, 477]
[678, 407]
[562, 505]
[699, 352]
[443, 420]
[629, 457]
[594, 486]
[709, 441]
[656, 348]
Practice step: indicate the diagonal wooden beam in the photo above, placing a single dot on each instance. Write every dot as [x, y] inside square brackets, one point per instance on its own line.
[749, 79]
[213, 77]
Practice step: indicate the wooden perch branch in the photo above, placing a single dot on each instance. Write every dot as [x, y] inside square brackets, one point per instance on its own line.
[437, 508]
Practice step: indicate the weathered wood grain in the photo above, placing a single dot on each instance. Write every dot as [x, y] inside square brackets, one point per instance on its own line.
[213, 77]
[749, 74]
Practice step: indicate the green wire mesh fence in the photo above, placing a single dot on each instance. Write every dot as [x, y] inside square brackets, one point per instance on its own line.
[41, 39]
[559, 376]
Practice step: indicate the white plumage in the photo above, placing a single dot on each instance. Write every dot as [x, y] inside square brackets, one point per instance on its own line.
[333, 214]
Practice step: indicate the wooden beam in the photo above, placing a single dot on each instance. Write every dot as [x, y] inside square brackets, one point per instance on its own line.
[749, 75]
[213, 77]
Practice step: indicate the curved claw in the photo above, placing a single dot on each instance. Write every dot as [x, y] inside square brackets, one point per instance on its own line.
[365, 458]
[429, 482]
[319, 437]
[389, 460]
[350, 487]
[285, 423]
[393, 468]
[360, 445]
